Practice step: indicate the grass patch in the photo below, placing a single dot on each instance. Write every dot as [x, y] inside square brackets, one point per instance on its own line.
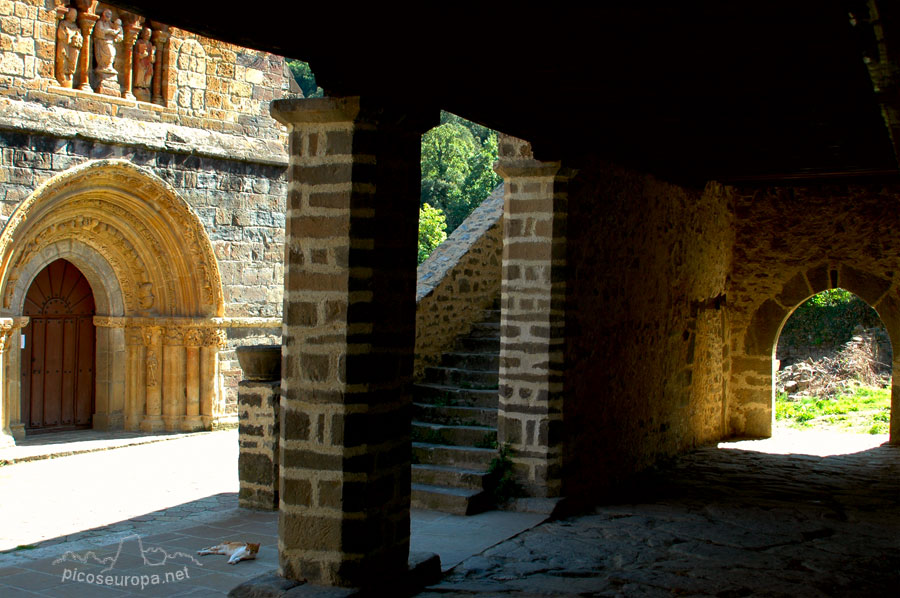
[859, 410]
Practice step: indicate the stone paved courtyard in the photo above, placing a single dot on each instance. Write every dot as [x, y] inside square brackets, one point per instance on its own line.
[722, 522]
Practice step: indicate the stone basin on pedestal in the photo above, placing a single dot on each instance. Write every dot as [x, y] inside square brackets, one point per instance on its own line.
[260, 362]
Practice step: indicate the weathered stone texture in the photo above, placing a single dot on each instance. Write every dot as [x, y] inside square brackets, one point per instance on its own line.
[240, 204]
[533, 317]
[348, 344]
[216, 146]
[458, 280]
[646, 336]
[258, 466]
[791, 243]
[224, 88]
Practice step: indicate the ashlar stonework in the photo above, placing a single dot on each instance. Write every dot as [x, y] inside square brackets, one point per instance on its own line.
[144, 156]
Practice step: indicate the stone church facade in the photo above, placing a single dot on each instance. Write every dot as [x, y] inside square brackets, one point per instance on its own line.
[142, 186]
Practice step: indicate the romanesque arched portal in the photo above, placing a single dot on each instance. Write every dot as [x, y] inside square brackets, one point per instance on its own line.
[156, 285]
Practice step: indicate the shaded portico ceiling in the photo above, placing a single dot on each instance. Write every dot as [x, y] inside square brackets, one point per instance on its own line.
[754, 90]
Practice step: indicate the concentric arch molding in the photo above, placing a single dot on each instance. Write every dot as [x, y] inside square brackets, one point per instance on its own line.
[144, 232]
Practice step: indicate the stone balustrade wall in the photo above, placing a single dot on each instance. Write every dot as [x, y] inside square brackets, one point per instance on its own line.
[458, 281]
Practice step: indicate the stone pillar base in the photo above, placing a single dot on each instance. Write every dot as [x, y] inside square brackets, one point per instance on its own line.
[259, 404]
[192, 423]
[424, 570]
[18, 431]
[152, 423]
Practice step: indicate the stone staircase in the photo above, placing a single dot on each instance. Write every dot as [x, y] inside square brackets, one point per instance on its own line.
[454, 426]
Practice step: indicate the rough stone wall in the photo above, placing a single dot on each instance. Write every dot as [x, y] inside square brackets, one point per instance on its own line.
[259, 412]
[793, 242]
[215, 144]
[458, 280]
[241, 205]
[234, 88]
[645, 328]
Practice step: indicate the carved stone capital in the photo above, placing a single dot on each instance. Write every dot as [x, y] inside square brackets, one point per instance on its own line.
[193, 337]
[174, 336]
[215, 337]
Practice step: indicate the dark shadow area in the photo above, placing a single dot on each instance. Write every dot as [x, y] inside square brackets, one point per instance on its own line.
[716, 522]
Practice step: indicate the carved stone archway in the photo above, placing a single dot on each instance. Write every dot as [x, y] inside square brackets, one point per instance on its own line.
[156, 283]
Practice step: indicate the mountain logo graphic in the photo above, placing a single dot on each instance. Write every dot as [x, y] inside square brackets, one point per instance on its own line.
[153, 556]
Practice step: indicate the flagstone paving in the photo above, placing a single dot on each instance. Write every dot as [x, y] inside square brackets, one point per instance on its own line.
[152, 509]
[720, 522]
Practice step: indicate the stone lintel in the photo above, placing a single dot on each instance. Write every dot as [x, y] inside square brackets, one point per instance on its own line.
[315, 110]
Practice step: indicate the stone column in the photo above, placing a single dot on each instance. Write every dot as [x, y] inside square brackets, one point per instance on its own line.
[86, 21]
[348, 340]
[192, 342]
[153, 421]
[173, 387]
[13, 384]
[131, 33]
[136, 381]
[533, 334]
[213, 340]
[159, 39]
[8, 326]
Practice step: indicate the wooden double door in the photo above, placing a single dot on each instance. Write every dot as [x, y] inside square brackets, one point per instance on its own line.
[58, 356]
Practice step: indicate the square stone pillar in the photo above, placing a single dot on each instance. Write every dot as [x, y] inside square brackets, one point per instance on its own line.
[348, 337]
[532, 327]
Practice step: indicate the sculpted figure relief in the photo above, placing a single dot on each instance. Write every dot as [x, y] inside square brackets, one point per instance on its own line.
[68, 45]
[106, 35]
[143, 66]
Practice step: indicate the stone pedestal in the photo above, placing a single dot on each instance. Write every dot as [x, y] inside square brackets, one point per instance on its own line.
[259, 406]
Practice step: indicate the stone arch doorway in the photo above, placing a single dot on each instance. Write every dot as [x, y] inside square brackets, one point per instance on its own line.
[750, 410]
[156, 285]
[848, 346]
[58, 360]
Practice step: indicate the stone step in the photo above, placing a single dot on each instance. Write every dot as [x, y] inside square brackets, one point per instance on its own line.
[465, 457]
[442, 394]
[445, 475]
[479, 345]
[486, 362]
[462, 378]
[455, 414]
[485, 330]
[458, 501]
[476, 436]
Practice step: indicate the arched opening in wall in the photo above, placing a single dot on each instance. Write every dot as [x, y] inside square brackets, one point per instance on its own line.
[457, 176]
[833, 368]
[58, 351]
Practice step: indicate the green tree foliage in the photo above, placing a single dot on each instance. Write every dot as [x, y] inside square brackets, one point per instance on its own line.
[828, 319]
[305, 78]
[458, 167]
[432, 230]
